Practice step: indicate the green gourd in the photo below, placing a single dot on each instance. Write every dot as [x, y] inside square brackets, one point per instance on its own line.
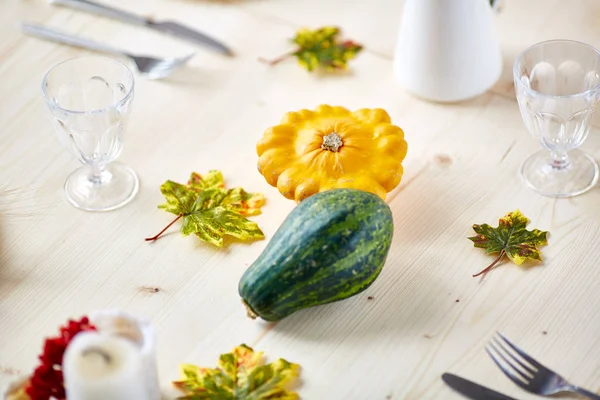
[332, 246]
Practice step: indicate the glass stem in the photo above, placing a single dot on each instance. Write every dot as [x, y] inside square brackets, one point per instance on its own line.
[98, 175]
[560, 159]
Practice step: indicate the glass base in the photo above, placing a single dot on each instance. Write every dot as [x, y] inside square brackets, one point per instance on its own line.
[578, 176]
[116, 186]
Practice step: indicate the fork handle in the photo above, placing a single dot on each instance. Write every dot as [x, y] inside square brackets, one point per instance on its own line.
[105, 11]
[586, 393]
[65, 38]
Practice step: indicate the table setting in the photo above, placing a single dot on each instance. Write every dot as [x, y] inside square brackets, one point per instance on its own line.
[364, 200]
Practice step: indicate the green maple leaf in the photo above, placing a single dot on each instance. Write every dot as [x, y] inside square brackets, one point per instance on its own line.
[240, 375]
[321, 49]
[210, 211]
[214, 179]
[510, 239]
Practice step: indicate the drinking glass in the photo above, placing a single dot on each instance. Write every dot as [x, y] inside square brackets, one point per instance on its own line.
[557, 85]
[90, 100]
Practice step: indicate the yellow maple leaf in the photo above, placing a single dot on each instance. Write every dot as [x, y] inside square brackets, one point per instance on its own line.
[211, 211]
[241, 374]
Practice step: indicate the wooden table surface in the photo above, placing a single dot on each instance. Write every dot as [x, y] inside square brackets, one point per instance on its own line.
[428, 315]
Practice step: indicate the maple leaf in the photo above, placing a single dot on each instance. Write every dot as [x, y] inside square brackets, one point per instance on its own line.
[17, 390]
[209, 210]
[321, 48]
[214, 179]
[239, 375]
[510, 239]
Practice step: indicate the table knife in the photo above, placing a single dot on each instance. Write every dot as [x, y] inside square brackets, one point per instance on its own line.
[170, 27]
[472, 390]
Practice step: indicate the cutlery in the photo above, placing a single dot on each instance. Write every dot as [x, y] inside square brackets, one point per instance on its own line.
[151, 67]
[472, 390]
[170, 27]
[526, 372]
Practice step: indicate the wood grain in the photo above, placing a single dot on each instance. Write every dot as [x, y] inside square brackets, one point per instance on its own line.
[425, 315]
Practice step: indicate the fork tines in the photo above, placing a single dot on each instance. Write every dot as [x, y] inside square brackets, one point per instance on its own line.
[513, 361]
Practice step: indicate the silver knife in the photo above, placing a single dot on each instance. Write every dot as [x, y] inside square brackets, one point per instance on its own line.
[170, 27]
[473, 390]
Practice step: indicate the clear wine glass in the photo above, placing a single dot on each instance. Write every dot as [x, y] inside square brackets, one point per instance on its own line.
[557, 85]
[90, 100]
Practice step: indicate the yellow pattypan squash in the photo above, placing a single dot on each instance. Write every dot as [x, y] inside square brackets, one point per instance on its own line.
[332, 147]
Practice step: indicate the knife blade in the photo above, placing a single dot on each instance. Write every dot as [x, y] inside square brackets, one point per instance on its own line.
[170, 27]
[183, 31]
[472, 390]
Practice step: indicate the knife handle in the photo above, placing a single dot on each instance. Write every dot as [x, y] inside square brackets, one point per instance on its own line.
[65, 38]
[105, 11]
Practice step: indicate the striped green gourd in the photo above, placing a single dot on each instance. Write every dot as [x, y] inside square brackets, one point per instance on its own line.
[333, 245]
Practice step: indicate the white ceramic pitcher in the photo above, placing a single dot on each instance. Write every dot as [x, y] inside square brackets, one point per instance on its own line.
[447, 50]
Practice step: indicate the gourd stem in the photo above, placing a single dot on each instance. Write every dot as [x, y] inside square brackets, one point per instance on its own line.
[332, 142]
[153, 238]
[250, 312]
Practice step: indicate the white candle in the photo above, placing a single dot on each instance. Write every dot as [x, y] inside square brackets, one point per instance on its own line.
[139, 330]
[116, 362]
[100, 367]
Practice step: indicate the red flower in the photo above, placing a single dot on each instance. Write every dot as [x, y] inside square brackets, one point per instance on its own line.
[47, 379]
[54, 348]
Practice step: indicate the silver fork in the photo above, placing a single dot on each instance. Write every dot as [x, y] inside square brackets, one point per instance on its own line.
[151, 67]
[527, 372]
